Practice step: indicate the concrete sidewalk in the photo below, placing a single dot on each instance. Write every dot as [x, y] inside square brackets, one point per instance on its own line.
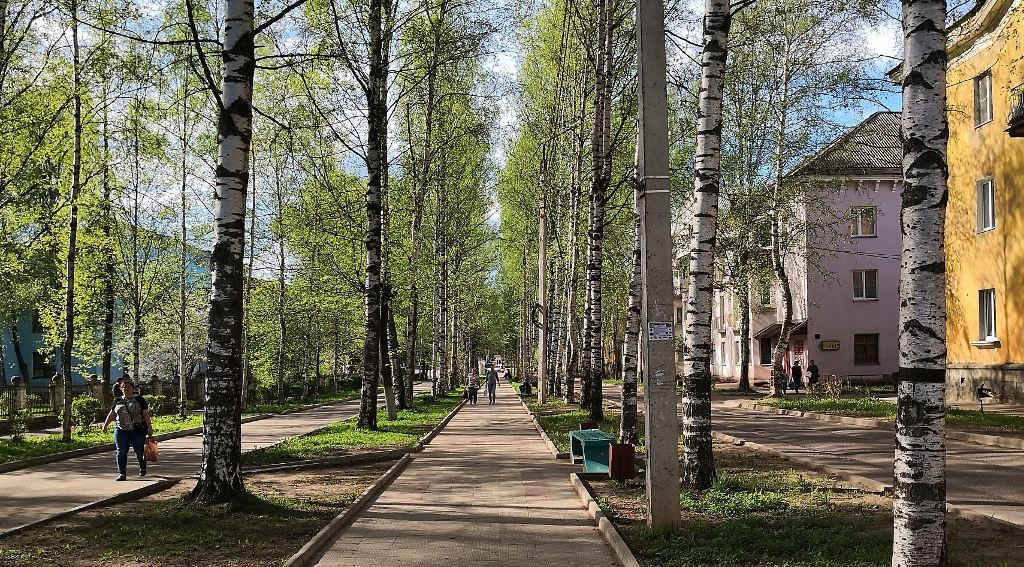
[980, 480]
[43, 491]
[485, 492]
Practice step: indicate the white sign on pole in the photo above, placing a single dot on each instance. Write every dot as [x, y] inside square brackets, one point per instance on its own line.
[659, 330]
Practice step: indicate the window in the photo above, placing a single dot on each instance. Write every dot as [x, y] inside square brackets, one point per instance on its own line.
[679, 315]
[982, 99]
[766, 350]
[764, 296]
[865, 284]
[725, 354]
[986, 205]
[37, 323]
[987, 315]
[739, 355]
[865, 349]
[42, 367]
[863, 221]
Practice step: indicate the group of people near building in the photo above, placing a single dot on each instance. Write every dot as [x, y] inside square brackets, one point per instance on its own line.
[795, 380]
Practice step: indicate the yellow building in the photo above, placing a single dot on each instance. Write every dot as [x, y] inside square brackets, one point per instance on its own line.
[985, 216]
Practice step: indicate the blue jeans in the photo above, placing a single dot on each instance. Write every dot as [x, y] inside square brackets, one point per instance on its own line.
[491, 390]
[122, 440]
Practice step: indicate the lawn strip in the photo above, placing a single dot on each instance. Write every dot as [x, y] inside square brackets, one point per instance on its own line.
[768, 510]
[343, 438]
[279, 514]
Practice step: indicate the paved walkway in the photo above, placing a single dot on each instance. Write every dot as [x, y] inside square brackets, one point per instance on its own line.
[33, 494]
[484, 493]
[984, 480]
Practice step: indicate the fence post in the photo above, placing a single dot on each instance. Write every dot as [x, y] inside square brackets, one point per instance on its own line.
[96, 389]
[20, 393]
[57, 393]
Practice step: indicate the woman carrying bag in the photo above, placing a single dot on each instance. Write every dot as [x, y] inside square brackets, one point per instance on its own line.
[133, 425]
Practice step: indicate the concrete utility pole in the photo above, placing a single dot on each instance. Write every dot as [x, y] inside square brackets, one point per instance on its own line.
[661, 437]
[542, 268]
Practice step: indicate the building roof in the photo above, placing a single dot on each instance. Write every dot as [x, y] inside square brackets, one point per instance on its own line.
[873, 147]
[774, 329]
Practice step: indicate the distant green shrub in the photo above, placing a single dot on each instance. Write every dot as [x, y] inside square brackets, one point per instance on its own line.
[20, 422]
[86, 411]
[162, 405]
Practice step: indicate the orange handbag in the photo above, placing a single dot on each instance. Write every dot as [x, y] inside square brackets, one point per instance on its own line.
[151, 451]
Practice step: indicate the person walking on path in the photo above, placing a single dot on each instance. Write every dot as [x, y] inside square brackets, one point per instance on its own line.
[812, 374]
[133, 424]
[473, 385]
[798, 376]
[492, 384]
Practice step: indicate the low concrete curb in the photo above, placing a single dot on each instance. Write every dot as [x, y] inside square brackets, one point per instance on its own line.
[959, 512]
[141, 492]
[547, 440]
[65, 455]
[974, 438]
[861, 482]
[607, 529]
[314, 546]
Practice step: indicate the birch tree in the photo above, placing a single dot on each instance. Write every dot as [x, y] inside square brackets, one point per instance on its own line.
[919, 486]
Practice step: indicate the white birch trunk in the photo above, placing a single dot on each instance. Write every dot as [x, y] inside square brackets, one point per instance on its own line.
[698, 461]
[919, 485]
[221, 475]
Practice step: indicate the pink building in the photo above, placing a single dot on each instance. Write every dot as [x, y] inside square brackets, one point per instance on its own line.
[845, 300]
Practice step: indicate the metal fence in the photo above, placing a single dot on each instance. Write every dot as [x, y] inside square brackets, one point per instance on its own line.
[39, 399]
[6, 401]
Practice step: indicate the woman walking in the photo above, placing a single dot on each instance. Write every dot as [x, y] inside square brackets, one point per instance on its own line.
[131, 414]
[473, 385]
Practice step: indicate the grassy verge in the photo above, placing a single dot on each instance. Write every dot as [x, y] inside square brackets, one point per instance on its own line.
[857, 407]
[763, 511]
[279, 513]
[558, 419]
[298, 403]
[990, 422]
[17, 450]
[343, 438]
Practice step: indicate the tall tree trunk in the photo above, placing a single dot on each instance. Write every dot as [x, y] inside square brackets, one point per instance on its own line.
[247, 383]
[743, 297]
[385, 358]
[16, 346]
[396, 363]
[919, 487]
[778, 239]
[108, 259]
[183, 267]
[600, 178]
[221, 475]
[698, 460]
[572, 350]
[376, 98]
[282, 325]
[76, 187]
[627, 419]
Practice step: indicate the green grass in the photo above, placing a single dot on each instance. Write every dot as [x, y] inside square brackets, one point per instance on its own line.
[341, 437]
[775, 518]
[859, 407]
[880, 409]
[16, 450]
[301, 402]
[995, 421]
[557, 423]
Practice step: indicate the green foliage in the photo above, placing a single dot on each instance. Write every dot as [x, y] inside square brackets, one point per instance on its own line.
[558, 419]
[858, 407]
[162, 405]
[339, 438]
[20, 423]
[992, 420]
[86, 411]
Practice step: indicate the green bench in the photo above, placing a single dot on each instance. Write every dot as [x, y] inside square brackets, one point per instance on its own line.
[591, 446]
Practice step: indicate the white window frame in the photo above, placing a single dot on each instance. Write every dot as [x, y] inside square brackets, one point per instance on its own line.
[987, 315]
[736, 351]
[983, 99]
[860, 289]
[725, 354]
[985, 205]
[857, 230]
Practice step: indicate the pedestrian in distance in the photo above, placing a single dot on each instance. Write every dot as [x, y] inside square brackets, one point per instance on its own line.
[130, 413]
[473, 384]
[492, 385]
[812, 374]
[798, 376]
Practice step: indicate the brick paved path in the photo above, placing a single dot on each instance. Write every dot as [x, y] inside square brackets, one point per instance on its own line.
[484, 493]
